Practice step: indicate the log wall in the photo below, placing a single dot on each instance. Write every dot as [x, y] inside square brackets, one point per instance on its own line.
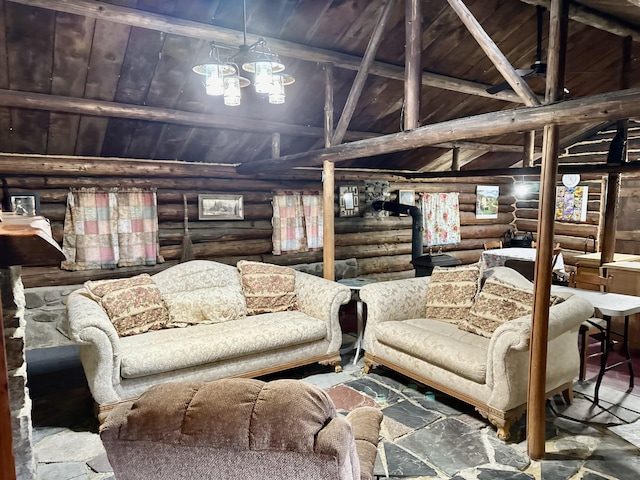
[382, 246]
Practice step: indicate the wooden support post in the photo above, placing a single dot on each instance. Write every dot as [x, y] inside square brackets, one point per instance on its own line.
[275, 145]
[328, 231]
[536, 401]
[361, 76]
[617, 154]
[529, 148]
[455, 160]
[412, 64]
[7, 460]
[328, 104]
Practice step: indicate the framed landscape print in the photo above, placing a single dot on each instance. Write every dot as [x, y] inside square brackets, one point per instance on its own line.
[220, 207]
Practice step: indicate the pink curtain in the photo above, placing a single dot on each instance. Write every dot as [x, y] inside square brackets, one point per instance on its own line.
[109, 229]
[441, 213]
[297, 222]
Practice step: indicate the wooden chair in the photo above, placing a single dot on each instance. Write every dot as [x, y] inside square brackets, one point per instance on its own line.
[492, 244]
[555, 247]
[595, 325]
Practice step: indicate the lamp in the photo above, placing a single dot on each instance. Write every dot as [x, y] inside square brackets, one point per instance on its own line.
[223, 78]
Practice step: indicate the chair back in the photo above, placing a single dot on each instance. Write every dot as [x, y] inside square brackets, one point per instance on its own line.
[493, 244]
[590, 281]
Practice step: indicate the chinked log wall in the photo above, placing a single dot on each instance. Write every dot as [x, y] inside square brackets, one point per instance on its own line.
[381, 245]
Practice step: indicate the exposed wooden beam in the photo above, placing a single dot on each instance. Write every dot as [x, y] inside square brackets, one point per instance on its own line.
[328, 104]
[529, 148]
[227, 36]
[536, 393]
[582, 168]
[455, 160]
[412, 64]
[328, 226]
[587, 16]
[489, 47]
[98, 108]
[607, 106]
[363, 72]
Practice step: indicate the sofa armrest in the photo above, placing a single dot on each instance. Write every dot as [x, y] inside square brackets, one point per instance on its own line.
[395, 299]
[508, 353]
[366, 430]
[89, 326]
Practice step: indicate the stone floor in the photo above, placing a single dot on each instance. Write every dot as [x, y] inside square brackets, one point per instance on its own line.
[425, 434]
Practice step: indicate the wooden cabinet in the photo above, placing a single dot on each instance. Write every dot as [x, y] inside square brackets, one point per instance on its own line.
[626, 280]
[590, 262]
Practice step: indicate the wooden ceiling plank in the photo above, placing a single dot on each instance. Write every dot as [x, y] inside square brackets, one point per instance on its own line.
[609, 106]
[166, 24]
[71, 52]
[361, 76]
[412, 64]
[509, 73]
[5, 113]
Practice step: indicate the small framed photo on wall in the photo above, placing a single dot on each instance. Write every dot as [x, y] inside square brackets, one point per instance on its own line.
[220, 207]
[25, 203]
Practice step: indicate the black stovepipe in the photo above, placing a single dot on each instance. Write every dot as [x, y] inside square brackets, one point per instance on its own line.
[416, 224]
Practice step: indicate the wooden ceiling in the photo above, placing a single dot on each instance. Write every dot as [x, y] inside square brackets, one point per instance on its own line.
[115, 79]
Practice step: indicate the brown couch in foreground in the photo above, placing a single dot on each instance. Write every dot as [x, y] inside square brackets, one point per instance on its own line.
[238, 428]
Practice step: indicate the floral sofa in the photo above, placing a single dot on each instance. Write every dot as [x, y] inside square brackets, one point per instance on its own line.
[200, 321]
[467, 335]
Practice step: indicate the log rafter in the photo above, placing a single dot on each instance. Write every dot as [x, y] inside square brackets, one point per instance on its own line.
[603, 107]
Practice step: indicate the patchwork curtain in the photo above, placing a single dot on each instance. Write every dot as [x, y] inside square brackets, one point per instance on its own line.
[109, 229]
[297, 222]
[441, 215]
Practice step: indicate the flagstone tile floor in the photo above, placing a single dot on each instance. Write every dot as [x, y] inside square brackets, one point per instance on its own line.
[425, 434]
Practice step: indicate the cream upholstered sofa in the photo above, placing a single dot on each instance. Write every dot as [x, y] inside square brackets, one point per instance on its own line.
[429, 337]
[126, 347]
[240, 428]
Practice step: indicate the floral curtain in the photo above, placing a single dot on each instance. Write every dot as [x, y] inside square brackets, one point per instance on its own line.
[109, 229]
[441, 214]
[297, 222]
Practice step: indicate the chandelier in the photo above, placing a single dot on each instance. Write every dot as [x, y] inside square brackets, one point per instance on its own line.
[223, 77]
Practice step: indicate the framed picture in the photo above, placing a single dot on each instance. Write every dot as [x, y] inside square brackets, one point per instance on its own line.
[25, 203]
[349, 201]
[487, 201]
[220, 207]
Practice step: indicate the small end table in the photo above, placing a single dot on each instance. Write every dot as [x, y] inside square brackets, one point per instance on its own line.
[355, 284]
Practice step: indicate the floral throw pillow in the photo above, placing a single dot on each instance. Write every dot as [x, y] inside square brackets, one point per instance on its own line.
[497, 303]
[134, 305]
[267, 288]
[451, 292]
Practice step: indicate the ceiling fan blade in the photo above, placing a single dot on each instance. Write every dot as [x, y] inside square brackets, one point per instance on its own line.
[498, 88]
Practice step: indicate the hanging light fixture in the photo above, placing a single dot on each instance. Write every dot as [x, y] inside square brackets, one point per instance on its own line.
[223, 78]
[214, 72]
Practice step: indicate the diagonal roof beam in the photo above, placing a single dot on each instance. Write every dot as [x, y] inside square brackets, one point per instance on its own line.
[187, 28]
[495, 55]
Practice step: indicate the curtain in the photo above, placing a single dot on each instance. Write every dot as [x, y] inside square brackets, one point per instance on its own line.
[441, 215]
[109, 229]
[297, 222]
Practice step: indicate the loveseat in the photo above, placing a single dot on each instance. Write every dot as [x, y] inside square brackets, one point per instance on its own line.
[240, 428]
[219, 325]
[466, 333]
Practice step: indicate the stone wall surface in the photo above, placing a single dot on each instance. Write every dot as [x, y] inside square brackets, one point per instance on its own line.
[13, 303]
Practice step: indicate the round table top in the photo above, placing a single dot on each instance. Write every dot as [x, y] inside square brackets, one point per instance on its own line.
[356, 283]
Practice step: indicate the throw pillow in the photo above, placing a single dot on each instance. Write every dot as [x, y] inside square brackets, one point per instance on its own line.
[451, 292]
[497, 303]
[134, 305]
[267, 288]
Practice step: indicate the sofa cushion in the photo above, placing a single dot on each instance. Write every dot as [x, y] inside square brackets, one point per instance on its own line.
[201, 291]
[134, 305]
[451, 291]
[175, 349]
[267, 288]
[505, 295]
[439, 343]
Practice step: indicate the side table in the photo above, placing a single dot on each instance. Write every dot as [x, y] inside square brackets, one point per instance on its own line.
[355, 284]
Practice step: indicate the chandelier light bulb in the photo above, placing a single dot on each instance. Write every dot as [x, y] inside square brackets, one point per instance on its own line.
[276, 95]
[213, 79]
[232, 91]
[263, 75]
